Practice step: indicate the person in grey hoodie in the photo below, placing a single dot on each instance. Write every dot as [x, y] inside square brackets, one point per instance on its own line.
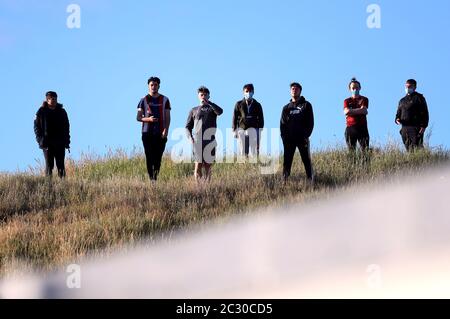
[201, 128]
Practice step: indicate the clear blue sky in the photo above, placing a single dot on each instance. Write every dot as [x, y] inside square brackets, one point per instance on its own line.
[100, 71]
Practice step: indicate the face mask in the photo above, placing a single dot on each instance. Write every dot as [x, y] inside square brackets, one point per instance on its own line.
[355, 92]
[248, 96]
[409, 90]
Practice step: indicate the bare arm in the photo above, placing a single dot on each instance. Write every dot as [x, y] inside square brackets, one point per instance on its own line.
[140, 117]
[361, 111]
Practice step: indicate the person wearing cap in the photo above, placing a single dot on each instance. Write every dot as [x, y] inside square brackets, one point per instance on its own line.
[52, 130]
[412, 115]
[355, 110]
[201, 127]
[248, 121]
[296, 126]
[154, 112]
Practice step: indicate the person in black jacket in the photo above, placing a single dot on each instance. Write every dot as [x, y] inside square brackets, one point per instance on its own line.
[248, 121]
[296, 126]
[412, 115]
[52, 130]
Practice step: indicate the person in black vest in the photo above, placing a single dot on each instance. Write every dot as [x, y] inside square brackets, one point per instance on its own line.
[248, 121]
[412, 115]
[296, 126]
[201, 127]
[154, 112]
[52, 130]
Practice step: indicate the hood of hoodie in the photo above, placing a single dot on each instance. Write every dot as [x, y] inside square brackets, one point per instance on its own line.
[300, 101]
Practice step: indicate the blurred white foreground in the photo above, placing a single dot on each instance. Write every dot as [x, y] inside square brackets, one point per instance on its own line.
[381, 241]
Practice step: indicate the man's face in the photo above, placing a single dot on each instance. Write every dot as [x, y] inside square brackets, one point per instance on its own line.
[410, 86]
[52, 100]
[248, 94]
[295, 91]
[203, 97]
[153, 87]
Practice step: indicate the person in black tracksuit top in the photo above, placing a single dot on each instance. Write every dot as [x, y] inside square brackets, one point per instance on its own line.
[52, 130]
[296, 126]
[412, 115]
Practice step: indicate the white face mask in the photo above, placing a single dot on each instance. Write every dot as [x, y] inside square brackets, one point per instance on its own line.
[248, 95]
[409, 90]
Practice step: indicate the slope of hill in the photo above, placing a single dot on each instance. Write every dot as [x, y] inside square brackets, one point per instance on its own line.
[106, 204]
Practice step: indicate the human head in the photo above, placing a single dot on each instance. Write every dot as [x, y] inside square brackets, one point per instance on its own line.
[296, 90]
[354, 86]
[51, 97]
[410, 86]
[203, 94]
[248, 90]
[153, 85]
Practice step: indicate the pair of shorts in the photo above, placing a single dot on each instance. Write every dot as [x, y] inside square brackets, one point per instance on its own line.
[204, 151]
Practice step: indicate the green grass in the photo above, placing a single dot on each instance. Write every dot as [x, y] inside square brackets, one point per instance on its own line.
[107, 203]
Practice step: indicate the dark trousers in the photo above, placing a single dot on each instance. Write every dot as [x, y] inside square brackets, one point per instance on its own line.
[154, 146]
[54, 154]
[411, 137]
[289, 152]
[355, 134]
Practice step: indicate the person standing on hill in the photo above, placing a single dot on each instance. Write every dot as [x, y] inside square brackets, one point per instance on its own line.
[296, 126]
[52, 130]
[201, 128]
[248, 121]
[412, 115]
[355, 110]
[154, 112]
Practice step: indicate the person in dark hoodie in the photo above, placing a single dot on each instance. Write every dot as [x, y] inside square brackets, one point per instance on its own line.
[296, 126]
[52, 130]
[248, 121]
[201, 127]
[412, 115]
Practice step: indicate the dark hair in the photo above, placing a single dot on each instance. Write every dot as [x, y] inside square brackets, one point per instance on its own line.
[412, 82]
[296, 84]
[154, 79]
[51, 94]
[354, 80]
[203, 89]
[249, 87]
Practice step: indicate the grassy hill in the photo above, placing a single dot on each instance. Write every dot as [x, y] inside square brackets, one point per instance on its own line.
[108, 202]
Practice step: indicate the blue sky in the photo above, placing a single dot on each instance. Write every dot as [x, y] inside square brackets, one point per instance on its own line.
[100, 71]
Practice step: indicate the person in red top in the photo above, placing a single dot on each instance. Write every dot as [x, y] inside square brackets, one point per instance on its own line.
[355, 110]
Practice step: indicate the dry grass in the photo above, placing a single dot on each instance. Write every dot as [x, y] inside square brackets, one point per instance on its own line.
[107, 202]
